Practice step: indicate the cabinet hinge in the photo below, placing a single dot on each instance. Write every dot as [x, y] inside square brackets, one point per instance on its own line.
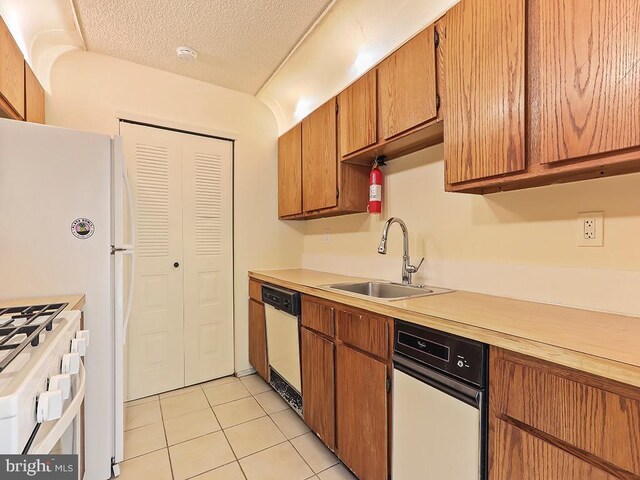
[388, 385]
[437, 102]
[436, 38]
[337, 107]
[337, 193]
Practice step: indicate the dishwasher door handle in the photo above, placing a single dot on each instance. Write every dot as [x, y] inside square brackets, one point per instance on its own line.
[458, 390]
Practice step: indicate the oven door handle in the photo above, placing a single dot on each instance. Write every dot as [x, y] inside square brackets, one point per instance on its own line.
[45, 445]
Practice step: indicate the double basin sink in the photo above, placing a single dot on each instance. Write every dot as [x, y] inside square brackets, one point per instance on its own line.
[387, 290]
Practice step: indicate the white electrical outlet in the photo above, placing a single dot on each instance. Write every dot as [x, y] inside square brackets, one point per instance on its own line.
[326, 237]
[590, 231]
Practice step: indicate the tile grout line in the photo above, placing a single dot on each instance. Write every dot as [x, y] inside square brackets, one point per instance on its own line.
[166, 439]
[285, 436]
[228, 442]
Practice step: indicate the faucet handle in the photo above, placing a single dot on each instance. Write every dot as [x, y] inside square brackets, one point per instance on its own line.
[414, 269]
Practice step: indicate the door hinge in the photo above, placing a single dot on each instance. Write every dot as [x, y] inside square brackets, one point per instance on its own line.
[436, 38]
[388, 385]
[437, 102]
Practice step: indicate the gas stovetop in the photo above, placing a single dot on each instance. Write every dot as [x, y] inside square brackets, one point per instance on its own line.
[24, 326]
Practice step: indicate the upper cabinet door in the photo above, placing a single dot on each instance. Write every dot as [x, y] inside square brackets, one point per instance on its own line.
[407, 86]
[319, 158]
[290, 172]
[357, 115]
[585, 77]
[484, 85]
[11, 75]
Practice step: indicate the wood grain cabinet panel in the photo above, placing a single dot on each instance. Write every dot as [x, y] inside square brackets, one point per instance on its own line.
[318, 385]
[548, 421]
[255, 290]
[515, 454]
[11, 75]
[357, 115]
[407, 86]
[34, 97]
[318, 316]
[584, 64]
[290, 172]
[364, 331]
[588, 417]
[258, 339]
[319, 158]
[361, 403]
[484, 89]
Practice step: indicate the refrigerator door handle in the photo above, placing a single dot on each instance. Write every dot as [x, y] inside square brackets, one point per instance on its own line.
[127, 314]
[129, 250]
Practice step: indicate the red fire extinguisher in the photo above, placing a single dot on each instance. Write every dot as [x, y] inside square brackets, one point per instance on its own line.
[375, 186]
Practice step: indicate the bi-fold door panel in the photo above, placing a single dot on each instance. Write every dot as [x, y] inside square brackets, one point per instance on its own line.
[208, 258]
[181, 329]
[155, 351]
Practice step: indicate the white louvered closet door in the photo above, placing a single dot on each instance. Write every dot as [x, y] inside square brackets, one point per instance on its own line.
[155, 347]
[207, 183]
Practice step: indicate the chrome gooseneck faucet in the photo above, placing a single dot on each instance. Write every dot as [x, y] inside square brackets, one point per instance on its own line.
[407, 268]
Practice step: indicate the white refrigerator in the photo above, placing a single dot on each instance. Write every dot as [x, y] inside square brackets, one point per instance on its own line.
[62, 198]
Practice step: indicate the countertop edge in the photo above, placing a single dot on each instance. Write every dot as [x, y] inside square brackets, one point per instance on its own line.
[600, 366]
[76, 302]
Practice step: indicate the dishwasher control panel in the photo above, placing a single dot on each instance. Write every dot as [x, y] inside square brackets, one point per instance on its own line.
[457, 356]
[286, 300]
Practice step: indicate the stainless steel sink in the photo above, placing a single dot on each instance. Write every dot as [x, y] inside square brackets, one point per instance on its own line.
[387, 290]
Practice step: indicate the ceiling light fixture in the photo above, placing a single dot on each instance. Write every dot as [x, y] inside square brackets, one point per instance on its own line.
[187, 54]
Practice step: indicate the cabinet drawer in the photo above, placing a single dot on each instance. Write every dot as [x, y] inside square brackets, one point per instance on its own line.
[318, 316]
[592, 414]
[255, 290]
[519, 455]
[364, 331]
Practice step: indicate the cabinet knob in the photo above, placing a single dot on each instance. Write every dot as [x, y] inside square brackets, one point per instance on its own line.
[176, 264]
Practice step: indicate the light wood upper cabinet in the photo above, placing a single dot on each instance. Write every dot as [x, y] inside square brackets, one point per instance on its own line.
[34, 97]
[484, 88]
[11, 75]
[319, 158]
[290, 172]
[318, 385]
[357, 116]
[584, 63]
[362, 422]
[407, 86]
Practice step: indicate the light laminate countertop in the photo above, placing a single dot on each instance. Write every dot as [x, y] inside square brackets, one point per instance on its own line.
[600, 343]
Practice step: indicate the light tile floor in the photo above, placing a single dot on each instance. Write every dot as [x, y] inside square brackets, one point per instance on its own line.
[227, 429]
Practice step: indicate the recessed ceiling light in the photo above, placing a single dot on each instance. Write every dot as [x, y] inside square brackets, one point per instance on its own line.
[187, 54]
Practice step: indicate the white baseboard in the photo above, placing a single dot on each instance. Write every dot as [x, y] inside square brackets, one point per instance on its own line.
[245, 373]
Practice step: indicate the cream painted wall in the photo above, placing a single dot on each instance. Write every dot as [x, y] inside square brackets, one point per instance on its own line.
[520, 244]
[87, 90]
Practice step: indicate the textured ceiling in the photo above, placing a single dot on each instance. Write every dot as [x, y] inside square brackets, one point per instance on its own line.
[240, 43]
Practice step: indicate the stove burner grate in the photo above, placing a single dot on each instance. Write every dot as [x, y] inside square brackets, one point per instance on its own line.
[29, 321]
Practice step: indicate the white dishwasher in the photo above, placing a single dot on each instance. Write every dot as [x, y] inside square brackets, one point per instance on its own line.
[439, 405]
[282, 310]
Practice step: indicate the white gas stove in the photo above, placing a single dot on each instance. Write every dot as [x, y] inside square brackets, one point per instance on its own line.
[41, 376]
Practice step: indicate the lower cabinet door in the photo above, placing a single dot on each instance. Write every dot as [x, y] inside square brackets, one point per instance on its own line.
[516, 454]
[361, 403]
[318, 385]
[258, 339]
